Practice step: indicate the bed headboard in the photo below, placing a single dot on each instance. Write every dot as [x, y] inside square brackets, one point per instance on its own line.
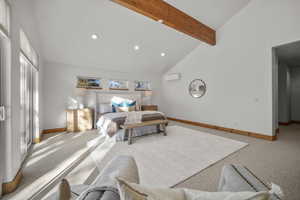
[94, 99]
[107, 97]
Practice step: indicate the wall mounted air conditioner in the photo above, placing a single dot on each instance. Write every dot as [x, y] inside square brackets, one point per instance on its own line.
[173, 77]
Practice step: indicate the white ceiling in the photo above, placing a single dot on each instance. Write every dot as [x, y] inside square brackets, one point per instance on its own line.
[290, 54]
[66, 27]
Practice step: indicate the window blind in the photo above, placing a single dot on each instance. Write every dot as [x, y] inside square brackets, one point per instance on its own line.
[4, 16]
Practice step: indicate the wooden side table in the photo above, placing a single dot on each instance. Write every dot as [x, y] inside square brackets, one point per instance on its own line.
[79, 120]
[149, 108]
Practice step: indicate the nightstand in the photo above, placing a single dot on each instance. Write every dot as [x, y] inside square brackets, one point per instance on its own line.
[149, 108]
[79, 120]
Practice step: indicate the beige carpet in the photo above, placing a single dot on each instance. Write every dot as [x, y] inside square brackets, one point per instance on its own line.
[271, 161]
[276, 162]
[50, 158]
[167, 161]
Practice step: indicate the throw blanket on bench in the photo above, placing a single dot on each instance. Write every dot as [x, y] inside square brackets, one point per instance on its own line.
[110, 123]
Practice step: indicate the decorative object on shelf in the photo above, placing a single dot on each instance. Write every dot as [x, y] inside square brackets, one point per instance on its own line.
[142, 85]
[89, 83]
[149, 108]
[79, 120]
[173, 77]
[197, 88]
[114, 84]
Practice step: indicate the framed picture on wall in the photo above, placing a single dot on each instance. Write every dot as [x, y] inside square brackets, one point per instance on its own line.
[89, 83]
[115, 84]
[142, 86]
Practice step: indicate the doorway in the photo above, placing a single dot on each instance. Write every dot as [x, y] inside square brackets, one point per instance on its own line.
[2, 118]
[4, 88]
[288, 83]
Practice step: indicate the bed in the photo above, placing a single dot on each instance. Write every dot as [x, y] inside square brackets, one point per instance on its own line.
[109, 122]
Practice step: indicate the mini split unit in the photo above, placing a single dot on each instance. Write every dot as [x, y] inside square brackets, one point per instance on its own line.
[173, 77]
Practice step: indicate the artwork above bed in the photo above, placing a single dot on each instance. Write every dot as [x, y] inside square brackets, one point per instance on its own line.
[114, 84]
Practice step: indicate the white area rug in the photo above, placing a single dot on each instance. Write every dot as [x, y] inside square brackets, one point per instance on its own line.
[166, 161]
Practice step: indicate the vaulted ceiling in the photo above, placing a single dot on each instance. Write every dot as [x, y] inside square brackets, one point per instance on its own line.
[66, 27]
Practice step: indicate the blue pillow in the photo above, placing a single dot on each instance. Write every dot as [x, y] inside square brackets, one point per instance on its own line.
[123, 104]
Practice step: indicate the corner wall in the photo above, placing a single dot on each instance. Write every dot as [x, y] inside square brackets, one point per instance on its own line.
[238, 70]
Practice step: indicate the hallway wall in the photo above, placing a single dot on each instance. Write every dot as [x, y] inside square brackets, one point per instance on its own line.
[284, 93]
[295, 93]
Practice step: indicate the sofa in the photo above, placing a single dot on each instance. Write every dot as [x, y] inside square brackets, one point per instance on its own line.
[233, 179]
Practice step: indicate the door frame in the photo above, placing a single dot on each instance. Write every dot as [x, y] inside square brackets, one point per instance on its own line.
[5, 100]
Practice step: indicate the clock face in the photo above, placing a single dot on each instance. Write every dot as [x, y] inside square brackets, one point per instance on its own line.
[197, 88]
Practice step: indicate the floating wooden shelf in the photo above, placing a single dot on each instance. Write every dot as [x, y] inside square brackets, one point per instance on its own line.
[90, 88]
[142, 90]
[118, 89]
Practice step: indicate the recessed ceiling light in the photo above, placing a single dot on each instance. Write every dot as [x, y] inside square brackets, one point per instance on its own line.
[161, 21]
[136, 47]
[94, 36]
[163, 54]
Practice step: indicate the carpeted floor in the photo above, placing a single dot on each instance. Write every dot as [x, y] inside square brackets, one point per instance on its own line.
[50, 158]
[276, 161]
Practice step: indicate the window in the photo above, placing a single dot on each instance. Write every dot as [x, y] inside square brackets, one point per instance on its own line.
[4, 16]
[142, 85]
[118, 85]
[89, 83]
[27, 50]
[29, 113]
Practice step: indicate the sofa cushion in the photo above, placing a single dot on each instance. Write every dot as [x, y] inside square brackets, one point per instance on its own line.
[100, 193]
[201, 195]
[239, 178]
[133, 191]
[123, 166]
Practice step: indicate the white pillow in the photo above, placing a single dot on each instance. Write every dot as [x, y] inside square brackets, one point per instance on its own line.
[105, 108]
[132, 191]
[200, 195]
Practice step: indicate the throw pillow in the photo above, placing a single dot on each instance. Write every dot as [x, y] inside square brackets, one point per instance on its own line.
[105, 108]
[123, 105]
[200, 195]
[125, 109]
[133, 191]
[64, 190]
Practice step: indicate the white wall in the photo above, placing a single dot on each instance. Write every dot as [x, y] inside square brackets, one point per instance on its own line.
[295, 93]
[60, 85]
[22, 17]
[284, 93]
[238, 70]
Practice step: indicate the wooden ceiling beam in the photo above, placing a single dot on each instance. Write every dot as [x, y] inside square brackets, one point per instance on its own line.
[172, 17]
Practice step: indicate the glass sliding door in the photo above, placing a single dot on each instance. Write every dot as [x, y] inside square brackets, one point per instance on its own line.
[27, 95]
